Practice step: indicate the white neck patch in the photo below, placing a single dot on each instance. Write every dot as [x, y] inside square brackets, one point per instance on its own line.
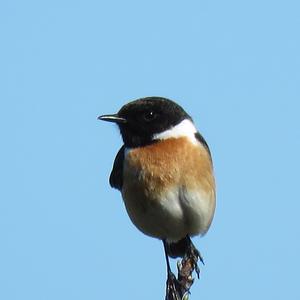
[185, 128]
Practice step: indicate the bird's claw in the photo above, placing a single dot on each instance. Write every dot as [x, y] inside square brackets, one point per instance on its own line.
[179, 288]
[194, 255]
[173, 288]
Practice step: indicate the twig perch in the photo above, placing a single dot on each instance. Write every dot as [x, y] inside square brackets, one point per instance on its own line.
[179, 288]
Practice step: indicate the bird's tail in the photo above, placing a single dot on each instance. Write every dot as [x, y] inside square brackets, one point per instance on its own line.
[179, 248]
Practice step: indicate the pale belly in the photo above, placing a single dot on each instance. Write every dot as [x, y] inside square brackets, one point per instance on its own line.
[170, 214]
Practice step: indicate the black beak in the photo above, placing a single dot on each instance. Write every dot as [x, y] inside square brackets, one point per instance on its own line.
[112, 118]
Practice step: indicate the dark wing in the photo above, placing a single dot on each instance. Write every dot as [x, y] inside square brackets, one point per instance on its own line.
[116, 175]
[201, 139]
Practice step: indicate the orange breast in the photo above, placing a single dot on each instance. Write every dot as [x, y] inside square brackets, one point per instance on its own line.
[167, 163]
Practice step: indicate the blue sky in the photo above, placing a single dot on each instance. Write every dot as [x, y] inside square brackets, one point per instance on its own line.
[233, 65]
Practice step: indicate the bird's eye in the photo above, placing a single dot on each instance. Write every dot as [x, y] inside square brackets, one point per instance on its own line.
[149, 116]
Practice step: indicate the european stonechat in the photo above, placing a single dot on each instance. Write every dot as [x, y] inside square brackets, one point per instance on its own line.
[164, 171]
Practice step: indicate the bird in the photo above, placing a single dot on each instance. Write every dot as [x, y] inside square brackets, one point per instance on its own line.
[164, 171]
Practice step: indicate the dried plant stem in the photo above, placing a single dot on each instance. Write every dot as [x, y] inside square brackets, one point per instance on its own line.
[179, 288]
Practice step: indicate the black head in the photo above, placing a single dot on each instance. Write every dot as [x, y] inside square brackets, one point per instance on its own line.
[139, 120]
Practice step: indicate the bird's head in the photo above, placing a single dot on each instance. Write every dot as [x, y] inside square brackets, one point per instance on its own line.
[143, 121]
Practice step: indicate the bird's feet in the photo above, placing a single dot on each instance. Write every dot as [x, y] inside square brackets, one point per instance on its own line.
[173, 288]
[187, 266]
[179, 288]
[193, 255]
